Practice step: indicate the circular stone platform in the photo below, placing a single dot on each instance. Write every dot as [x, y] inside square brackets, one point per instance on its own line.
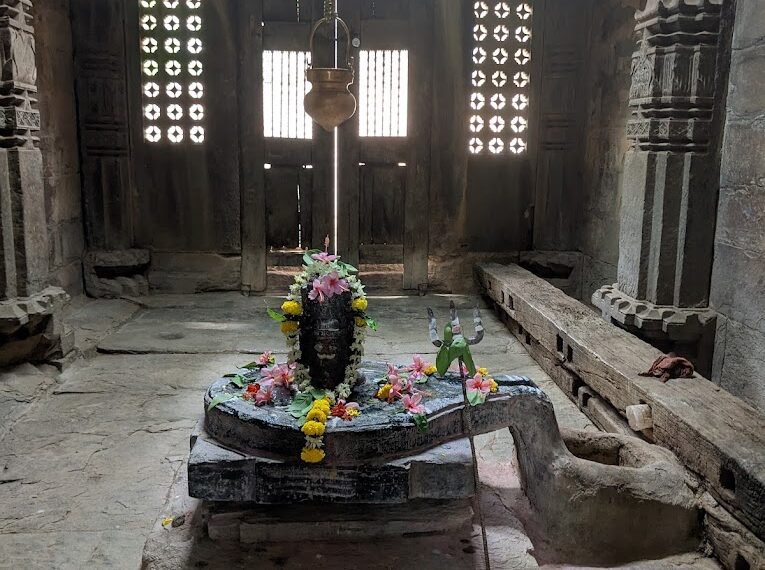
[381, 432]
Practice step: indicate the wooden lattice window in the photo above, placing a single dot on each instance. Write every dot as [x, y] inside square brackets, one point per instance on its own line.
[172, 70]
[284, 87]
[499, 97]
[383, 89]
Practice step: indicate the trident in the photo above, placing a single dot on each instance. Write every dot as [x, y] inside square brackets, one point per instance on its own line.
[467, 414]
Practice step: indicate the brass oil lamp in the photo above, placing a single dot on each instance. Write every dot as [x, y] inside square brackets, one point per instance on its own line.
[330, 101]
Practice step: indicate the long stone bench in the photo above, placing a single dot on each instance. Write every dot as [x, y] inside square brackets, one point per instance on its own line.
[716, 435]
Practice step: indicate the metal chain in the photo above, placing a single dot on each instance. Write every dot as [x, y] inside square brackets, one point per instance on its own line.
[330, 9]
[297, 6]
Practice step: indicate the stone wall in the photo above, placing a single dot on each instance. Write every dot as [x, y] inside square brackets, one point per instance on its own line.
[58, 142]
[738, 278]
[611, 48]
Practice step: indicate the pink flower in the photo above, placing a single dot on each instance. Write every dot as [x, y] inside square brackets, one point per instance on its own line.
[281, 375]
[318, 291]
[393, 376]
[265, 358]
[412, 404]
[264, 396]
[333, 285]
[324, 256]
[478, 384]
[417, 368]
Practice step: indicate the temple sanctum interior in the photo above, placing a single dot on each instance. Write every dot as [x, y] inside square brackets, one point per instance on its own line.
[382, 284]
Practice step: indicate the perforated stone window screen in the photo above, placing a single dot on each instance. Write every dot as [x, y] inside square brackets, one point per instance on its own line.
[500, 78]
[383, 91]
[284, 87]
[172, 70]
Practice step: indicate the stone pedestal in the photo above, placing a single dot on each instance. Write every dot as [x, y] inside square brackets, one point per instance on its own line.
[671, 180]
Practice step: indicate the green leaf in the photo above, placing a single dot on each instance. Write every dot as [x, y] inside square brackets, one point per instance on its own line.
[423, 380]
[468, 358]
[476, 397]
[307, 256]
[317, 394]
[301, 405]
[238, 380]
[278, 317]
[448, 335]
[219, 399]
[421, 421]
[253, 366]
[348, 267]
[371, 323]
[442, 360]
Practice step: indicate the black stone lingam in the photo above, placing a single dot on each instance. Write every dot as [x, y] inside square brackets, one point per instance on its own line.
[326, 336]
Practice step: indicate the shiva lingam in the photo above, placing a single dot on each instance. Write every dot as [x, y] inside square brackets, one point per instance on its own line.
[372, 433]
[330, 102]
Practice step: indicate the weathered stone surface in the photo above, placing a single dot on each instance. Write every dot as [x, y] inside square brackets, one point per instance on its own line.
[218, 474]
[738, 278]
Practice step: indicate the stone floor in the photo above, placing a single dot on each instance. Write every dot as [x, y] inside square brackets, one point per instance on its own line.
[88, 456]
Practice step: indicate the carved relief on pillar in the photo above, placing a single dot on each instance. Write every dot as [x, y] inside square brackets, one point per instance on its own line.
[672, 94]
[19, 117]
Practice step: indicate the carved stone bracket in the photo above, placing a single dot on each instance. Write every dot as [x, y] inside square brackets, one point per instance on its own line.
[660, 322]
[30, 328]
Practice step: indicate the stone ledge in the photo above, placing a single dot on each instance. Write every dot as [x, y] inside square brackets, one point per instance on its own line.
[653, 321]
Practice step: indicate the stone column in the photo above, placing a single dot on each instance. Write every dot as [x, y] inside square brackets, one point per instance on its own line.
[671, 181]
[29, 327]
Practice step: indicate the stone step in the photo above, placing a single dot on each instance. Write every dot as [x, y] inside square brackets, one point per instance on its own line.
[322, 522]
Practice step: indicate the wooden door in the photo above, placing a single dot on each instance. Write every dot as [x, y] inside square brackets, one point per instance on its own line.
[384, 150]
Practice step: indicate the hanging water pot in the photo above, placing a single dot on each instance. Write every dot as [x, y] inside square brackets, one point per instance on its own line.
[330, 101]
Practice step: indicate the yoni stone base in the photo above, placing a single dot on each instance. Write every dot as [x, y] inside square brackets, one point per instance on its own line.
[218, 474]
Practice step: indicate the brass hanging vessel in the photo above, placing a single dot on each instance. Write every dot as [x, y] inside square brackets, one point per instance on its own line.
[330, 101]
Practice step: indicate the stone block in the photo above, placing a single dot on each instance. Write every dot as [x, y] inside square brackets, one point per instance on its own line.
[112, 274]
[219, 474]
[740, 362]
[177, 272]
[738, 282]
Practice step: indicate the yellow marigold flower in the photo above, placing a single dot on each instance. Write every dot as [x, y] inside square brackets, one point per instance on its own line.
[384, 392]
[292, 308]
[483, 371]
[322, 405]
[289, 327]
[493, 385]
[313, 428]
[360, 321]
[430, 370]
[316, 415]
[360, 304]
[312, 455]
[353, 412]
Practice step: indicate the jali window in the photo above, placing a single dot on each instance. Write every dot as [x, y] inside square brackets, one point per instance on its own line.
[284, 88]
[383, 89]
[172, 70]
[499, 97]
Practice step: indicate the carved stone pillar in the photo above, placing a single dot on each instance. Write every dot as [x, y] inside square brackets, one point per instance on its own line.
[671, 181]
[29, 327]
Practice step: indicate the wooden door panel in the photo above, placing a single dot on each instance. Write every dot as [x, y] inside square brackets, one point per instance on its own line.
[382, 204]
